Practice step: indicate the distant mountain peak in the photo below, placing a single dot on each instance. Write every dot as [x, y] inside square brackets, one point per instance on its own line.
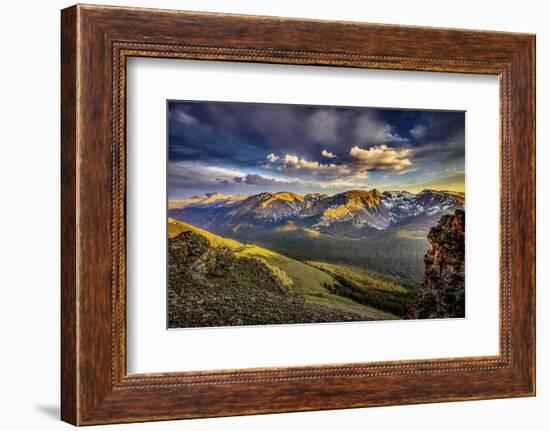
[361, 192]
[204, 199]
[432, 191]
[316, 195]
[357, 209]
[282, 196]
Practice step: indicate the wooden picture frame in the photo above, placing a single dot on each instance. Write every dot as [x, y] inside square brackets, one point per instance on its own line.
[95, 43]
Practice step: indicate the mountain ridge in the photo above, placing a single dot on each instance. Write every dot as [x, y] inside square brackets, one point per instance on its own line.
[354, 209]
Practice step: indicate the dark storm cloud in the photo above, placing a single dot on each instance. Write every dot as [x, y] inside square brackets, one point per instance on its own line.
[240, 132]
[258, 180]
[435, 136]
[447, 138]
[244, 145]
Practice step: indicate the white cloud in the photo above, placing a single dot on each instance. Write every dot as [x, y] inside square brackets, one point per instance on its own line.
[353, 172]
[272, 157]
[382, 157]
[291, 160]
[419, 131]
[292, 163]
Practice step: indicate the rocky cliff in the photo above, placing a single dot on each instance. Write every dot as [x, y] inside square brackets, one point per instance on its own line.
[192, 255]
[441, 294]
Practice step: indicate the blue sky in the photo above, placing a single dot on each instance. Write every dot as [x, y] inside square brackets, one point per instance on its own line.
[248, 148]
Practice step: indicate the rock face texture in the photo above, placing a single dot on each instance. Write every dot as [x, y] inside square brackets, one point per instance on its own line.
[193, 255]
[441, 294]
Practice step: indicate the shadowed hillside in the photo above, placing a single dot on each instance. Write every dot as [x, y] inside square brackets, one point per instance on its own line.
[214, 281]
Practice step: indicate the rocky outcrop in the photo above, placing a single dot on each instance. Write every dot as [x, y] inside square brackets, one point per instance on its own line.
[192, 255]
[441, 294]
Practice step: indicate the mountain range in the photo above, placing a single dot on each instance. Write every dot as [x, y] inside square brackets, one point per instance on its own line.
[353, 212]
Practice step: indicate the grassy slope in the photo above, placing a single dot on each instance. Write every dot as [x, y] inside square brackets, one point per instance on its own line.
[176, 227]
[382, 292]
[398, 253]
[308, 281]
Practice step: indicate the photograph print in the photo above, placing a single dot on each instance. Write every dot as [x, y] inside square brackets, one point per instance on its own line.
[295, 214]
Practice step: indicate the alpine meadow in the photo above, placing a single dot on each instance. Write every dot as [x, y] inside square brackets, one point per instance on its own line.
[288, 214]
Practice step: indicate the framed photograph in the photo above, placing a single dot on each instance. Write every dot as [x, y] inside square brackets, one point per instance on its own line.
[275, 214]
[267, 215]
